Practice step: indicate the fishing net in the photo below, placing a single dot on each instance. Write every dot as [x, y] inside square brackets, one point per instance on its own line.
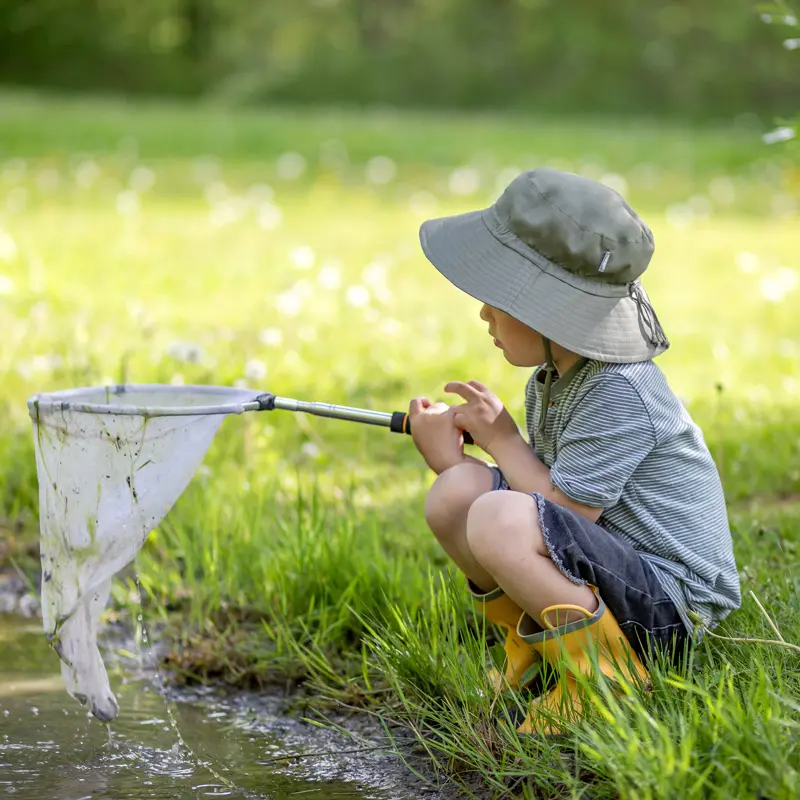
[111, 462]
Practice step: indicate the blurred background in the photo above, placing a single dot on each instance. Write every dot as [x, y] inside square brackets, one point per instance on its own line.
[197, 191]
[687, 58]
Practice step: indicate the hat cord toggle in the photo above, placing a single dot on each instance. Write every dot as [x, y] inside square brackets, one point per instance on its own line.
[648, 319]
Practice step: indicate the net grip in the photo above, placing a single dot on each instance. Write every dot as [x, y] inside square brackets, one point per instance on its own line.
[401, 423]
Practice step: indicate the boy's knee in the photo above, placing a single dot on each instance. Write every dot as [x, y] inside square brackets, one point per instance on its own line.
[501, 525]
[453, 493]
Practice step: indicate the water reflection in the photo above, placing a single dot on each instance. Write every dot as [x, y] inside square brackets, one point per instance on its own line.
[51, 749]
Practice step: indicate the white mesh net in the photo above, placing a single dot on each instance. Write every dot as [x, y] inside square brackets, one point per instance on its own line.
[105, 481]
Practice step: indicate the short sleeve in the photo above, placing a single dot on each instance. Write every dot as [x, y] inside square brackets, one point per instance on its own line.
[609, 434]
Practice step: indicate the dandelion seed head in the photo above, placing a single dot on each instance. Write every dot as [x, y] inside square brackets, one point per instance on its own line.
[127, 203]
[260, 193]
[270, 216]
[680, 215]
[289, 303]
[310, 450]
[722, 190]
[422, 203]
[330, 275]
[255, 370]
[747, 262]
[8, 247]
[357, 296]
[791, 44]
[303, 257]
[142, 179]
[271, 337]
[216, 192]
[381, 170]
[48, 180]
[464, 181]
[616, 182]
[186, 352]
[290, 166]
[6, 286]
[86, 174]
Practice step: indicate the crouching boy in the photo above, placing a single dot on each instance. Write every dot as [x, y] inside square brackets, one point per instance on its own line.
[609, 525]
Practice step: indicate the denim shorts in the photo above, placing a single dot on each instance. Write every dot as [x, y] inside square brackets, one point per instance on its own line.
[586, 552]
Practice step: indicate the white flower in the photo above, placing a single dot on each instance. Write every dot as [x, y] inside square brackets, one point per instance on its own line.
[17, 199]
[782, 134]
[14, 170]
[260, 193]
[127, 203]
[747, 262]
[391, 327]
[775, 286]
[289, 303]
[616, 182]
[700, 205]
[680, 215]
[6, 286]
[422, 203]
[290, 166]
[310, 449]
[722, 190]
[216, 192]
[784, 204]
[255, 370]
[302, 257]
[86, 173]
[357, 296]
[720, 351]
[48, 180]
[269, 216]
[374, 274]
[177, 379]
[8, 247]
[271, 337]
[307, 333]
[186, 352]
[381, 169]
[205, 169]
[464, 181]
[330, 276]
[142, 179]
[791, 44]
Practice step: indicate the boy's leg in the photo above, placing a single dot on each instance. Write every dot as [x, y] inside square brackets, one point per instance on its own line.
[446, 509]
[504, 537]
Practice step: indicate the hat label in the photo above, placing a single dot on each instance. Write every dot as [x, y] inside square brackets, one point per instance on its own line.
[604, 261]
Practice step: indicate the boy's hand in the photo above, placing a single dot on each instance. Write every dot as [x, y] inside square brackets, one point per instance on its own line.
[435, 434]
[483, 415]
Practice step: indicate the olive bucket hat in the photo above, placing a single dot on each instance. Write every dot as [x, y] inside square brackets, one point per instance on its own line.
[562, 254]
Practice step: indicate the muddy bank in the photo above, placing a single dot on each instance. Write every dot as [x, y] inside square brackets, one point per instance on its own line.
[351, 749]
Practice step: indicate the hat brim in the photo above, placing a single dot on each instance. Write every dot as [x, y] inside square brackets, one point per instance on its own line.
[597, 321]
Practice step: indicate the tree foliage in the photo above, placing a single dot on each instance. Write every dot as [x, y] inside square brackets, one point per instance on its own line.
[677, 56]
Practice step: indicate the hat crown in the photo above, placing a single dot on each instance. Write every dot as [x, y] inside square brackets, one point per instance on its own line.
[579, 224]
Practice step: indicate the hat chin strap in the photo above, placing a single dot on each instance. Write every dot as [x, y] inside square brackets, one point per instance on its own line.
[549, 369]
[648, 319]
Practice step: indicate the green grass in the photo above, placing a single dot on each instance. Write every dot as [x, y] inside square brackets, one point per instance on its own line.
[299, 553]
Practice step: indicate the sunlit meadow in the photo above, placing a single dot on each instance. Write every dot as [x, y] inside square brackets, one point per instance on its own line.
[279, 250]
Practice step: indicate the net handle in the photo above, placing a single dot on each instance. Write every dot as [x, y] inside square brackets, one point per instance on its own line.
[396, 421]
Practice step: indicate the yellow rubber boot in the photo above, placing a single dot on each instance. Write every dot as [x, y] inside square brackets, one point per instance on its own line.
[499, 608]
[578, 648]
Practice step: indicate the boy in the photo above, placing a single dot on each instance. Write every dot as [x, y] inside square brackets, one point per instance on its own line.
[610, 526]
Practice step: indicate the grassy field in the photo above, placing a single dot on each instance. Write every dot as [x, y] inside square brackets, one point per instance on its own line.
[155, 243]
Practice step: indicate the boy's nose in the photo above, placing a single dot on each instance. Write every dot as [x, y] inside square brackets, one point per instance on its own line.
[485, 313]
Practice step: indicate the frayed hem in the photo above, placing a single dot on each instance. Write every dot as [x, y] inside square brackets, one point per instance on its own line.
[552, 552]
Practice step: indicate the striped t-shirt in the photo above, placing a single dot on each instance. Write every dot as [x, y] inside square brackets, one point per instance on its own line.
[617, 438]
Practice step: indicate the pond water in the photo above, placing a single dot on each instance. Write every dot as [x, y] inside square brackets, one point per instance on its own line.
[193, 746]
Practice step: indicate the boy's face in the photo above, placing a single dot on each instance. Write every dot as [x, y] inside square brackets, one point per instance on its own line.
[522, 346]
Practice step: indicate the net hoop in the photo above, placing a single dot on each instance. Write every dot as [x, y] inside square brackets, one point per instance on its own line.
[81, 401]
